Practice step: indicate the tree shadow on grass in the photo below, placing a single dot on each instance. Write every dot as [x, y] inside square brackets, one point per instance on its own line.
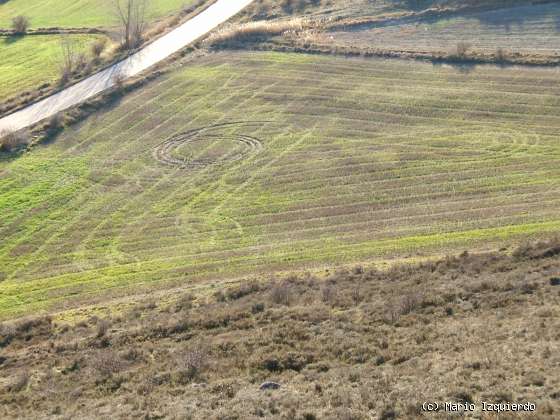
[467, 67]
[9, 156]
[464, 67]
[11, 39]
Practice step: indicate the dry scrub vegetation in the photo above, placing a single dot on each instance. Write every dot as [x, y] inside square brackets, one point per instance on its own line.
[254, 30]
[12, 141]
[359, 344]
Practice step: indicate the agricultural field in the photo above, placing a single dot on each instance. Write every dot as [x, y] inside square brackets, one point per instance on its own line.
[27, 62]
[241, 163]
[530, 29]
[78, 13]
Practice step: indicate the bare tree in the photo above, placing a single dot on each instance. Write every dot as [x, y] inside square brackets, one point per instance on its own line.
[462, 48]
[132, 18]
[20, 24]
[68, 58]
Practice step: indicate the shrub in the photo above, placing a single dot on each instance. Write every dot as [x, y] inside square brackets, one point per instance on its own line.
[12, 140]
[392, 312]
[191, 364]
[54, 124]
[255, 30]
[20, 24]
[500, 55]
[410, 302]
[118, 81]
[184, 303]
[356, 294]
[243, 290]
[287, 5]
[358, 270]
[19, 382]
[7, 334]
[280, 294]
[462, 48]
[102, 328]
[107, 363]
[328, 294]
[81, 62]
[98, 47]
[257, 307]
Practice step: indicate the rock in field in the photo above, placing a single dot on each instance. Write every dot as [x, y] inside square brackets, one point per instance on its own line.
[269, 385]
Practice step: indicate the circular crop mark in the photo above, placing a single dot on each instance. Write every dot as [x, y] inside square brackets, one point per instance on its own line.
[206, 146]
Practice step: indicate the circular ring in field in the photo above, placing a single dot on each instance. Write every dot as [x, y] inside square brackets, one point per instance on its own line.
[206, 146]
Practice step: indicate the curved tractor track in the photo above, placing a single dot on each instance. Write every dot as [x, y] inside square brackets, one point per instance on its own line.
[166, 152]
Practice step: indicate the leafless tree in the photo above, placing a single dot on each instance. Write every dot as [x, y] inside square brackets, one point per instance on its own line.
[463, 48]
[20, 24]
[132, 18]
[68, 58]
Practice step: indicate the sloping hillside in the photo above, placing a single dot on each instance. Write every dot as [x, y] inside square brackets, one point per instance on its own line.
[361, 344]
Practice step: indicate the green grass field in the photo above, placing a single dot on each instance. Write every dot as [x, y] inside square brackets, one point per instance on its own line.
[77, 13]
[249, 162]
[30, 61]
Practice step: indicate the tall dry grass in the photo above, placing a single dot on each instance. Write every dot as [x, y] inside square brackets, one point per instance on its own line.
[259, 29]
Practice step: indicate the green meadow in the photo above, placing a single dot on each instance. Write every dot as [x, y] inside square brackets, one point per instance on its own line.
[247, 163]
[78, 13]
[29, 61]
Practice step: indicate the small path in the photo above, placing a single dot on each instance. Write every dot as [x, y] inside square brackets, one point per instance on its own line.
[152, 54]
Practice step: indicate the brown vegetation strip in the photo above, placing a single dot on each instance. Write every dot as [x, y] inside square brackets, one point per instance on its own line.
[359, 343]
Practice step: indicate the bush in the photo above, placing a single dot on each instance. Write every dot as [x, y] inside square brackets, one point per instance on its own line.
[243, 290]
[254, 31]
[81, 62]
[257, 308]
[410, 302]
[280, 294]
[191, 364]
[20, 24]
[463, 48]
[102, 328]
[12, 140]
[328, 294]
[19, 383]
[500, 55]
[7, 334]
[118, 81]
[98, 47]
[53, 126]
[106, 363]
